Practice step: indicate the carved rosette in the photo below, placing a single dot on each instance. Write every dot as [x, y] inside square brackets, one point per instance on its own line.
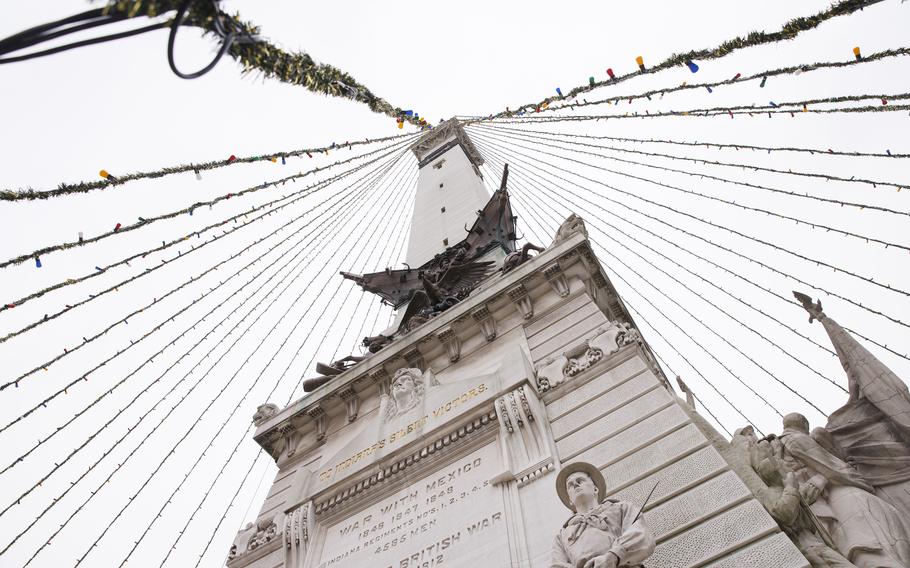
[555, 370]
[551, 373]
[266, 532]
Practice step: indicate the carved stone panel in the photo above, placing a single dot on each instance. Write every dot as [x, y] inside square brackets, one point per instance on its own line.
[451, 516]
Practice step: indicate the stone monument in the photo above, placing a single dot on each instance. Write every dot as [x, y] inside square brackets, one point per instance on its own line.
[441, 447]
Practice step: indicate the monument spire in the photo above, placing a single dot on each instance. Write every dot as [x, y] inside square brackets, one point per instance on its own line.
[450, 191]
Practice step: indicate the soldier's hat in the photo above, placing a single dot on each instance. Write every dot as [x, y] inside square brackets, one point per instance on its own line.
[575, 467]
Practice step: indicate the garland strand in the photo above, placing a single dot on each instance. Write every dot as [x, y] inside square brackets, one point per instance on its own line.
[573, 148]
[763, 76]
[723, 227]
[800, 107]
[165, 245]
[259, 55]
[389, 205]
[121, 179]
[721, 146]
[711, 282]
[243, 437]
[789, 31]
[180, 440]
[838, 202]
[336, 227]
[155, 300]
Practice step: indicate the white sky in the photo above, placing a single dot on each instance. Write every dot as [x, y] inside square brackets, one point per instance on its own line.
[118, 107]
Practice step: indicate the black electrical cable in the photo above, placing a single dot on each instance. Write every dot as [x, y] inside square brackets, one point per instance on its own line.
[724, 248]
[553, 200]
[247, 359]
[359, 195]
[156, 267]
[84, 376]
[240, 441]
[553, 230]
[862, 206]
[389, 205]
[779, 248]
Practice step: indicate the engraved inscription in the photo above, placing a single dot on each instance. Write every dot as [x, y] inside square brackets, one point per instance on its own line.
[451, 517]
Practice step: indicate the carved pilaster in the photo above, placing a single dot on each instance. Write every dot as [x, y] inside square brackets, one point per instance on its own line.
[381, 378]
[321, 420]
[483, 317]
[450, 340]
[557, 279]
[415, 358]
[524, 438]
[522, 300]
[351, 400]
[297, 529]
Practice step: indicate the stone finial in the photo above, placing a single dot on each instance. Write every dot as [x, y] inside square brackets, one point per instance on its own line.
[815, 310]
[573, 224]
[264, 412]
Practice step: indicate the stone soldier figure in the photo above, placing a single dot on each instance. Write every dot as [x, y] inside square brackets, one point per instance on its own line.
[866, 529]
[602, 533]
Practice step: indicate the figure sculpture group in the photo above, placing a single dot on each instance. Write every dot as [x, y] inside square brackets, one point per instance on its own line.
[842, 492]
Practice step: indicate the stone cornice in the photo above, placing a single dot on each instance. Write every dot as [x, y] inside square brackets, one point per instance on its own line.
[387, 471]
[431, 141]
[491, 294]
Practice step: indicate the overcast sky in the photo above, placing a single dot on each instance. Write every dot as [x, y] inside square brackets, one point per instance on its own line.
[118, 107]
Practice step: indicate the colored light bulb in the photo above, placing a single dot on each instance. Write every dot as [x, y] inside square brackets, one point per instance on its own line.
[641, 63]
[763, 81]
[591, 81]
[558, 91]
[610, 73]
[692, 66]
[37, 262]
[857, 54]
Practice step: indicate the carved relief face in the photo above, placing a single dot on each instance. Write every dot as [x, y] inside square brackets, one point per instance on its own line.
[403, 391]
[406, 391]
[581, 488]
